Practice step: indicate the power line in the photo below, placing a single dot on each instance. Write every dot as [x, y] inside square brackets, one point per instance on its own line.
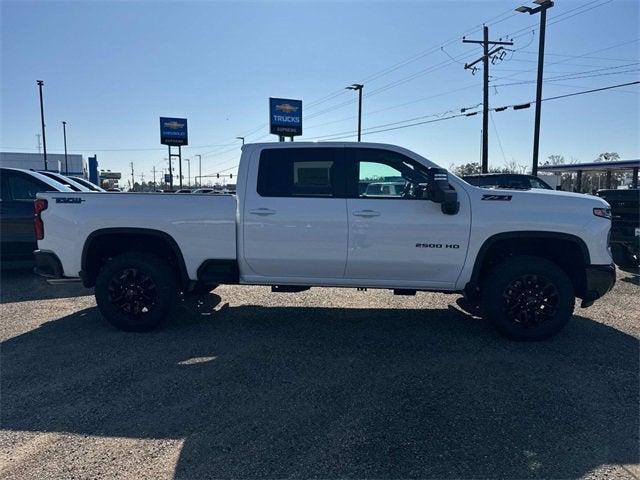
[376, 129]
[577, 56]
[495, 129]
[567, 77]
[559, 18]
[369, 130]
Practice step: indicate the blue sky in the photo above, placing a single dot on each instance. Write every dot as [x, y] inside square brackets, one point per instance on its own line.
[112, 68]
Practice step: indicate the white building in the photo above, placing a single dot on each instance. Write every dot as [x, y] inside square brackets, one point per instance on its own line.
[35, 161]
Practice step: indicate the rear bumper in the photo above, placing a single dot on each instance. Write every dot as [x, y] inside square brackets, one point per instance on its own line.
[47, 264]
[599, 280]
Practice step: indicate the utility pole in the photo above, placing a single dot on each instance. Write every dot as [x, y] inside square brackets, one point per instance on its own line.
[485, 42]
[188, 172]
[133, 181]
[543, 6]
[200, 169]
[66, 163]
[44, 138]
[358, 87]
[154, 176]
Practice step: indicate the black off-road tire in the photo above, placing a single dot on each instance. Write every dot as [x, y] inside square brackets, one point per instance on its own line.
[527, 298]
[136, 291]
[203, 288]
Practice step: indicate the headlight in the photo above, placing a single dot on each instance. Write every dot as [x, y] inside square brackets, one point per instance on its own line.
[602, 212]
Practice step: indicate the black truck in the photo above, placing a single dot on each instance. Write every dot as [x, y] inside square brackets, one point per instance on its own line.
[625, 225]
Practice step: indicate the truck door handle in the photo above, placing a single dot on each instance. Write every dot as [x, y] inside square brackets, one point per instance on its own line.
[366, 213]
[262, 211]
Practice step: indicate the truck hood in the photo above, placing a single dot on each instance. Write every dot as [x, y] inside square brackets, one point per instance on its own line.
[546, 196]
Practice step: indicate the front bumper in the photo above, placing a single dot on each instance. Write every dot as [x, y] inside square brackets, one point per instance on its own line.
[599, 279]
[48, 264]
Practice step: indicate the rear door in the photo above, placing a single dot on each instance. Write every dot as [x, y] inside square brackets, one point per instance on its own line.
[401, 238]
[16, 215]
[294, 218]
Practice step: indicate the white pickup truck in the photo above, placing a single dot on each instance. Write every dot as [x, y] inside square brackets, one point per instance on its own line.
[302, 219]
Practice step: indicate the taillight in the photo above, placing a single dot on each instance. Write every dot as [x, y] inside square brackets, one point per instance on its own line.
[39, 205]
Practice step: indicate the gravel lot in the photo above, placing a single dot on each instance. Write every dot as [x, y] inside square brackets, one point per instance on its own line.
[326, 383]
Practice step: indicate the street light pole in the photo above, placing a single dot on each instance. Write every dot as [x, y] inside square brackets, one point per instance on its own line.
[241, 138]
[358, 87]
[188, 172]
[44, 138]
[200, 169]
[543, 6]
[64, 133]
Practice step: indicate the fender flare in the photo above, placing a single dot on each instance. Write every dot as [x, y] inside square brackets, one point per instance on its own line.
[84, 274]
[524, 234]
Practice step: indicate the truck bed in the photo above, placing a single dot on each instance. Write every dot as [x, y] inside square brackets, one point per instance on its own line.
[203, 226]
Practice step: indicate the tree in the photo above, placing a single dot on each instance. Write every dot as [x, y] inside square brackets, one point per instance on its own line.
[555, 160]
[473, 168]
[608, 157]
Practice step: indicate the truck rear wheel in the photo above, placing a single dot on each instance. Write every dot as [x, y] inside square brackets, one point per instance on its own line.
[527, 298]
[135, 291]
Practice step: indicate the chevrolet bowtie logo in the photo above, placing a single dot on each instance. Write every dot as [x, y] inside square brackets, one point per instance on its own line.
[286, 108]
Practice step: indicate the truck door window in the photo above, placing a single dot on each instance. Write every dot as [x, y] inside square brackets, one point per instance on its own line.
[300, 172]
[386, 174]
[21, 188]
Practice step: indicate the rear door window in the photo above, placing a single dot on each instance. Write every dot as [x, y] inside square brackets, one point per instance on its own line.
[301, 172]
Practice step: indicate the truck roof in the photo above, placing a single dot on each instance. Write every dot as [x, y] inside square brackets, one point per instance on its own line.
[43, 178]
[322, 144]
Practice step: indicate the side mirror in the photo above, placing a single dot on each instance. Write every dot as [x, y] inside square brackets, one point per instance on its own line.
[439, 191]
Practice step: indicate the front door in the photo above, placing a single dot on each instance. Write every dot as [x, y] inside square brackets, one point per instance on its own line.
[295, 218]
[394, 234]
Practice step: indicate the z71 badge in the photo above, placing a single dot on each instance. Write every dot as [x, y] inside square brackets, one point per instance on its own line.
[68, 199]
[503, 198]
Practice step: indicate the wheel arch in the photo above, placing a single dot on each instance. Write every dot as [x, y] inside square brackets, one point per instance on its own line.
[569, 251]
[113, 241]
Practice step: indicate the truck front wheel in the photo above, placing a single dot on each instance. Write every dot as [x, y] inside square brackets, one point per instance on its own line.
[135, 291]
[527, 298]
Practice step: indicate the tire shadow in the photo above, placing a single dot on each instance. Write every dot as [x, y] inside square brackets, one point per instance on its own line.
[326, 392]
[22, 285]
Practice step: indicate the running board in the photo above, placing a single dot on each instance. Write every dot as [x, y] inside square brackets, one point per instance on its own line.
[62, 281]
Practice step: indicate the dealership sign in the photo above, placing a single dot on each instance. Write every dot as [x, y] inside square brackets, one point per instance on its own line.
[173, 131]
[285, 117]
[109, 175]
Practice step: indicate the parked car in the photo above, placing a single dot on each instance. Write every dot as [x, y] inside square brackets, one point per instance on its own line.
[385, 189]
[88, 184]
[183, 190]
[625, 225]
[521, 256]
[18, 189]
[205, 190]
[113, 189]
[506, 180]
[72, 184]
